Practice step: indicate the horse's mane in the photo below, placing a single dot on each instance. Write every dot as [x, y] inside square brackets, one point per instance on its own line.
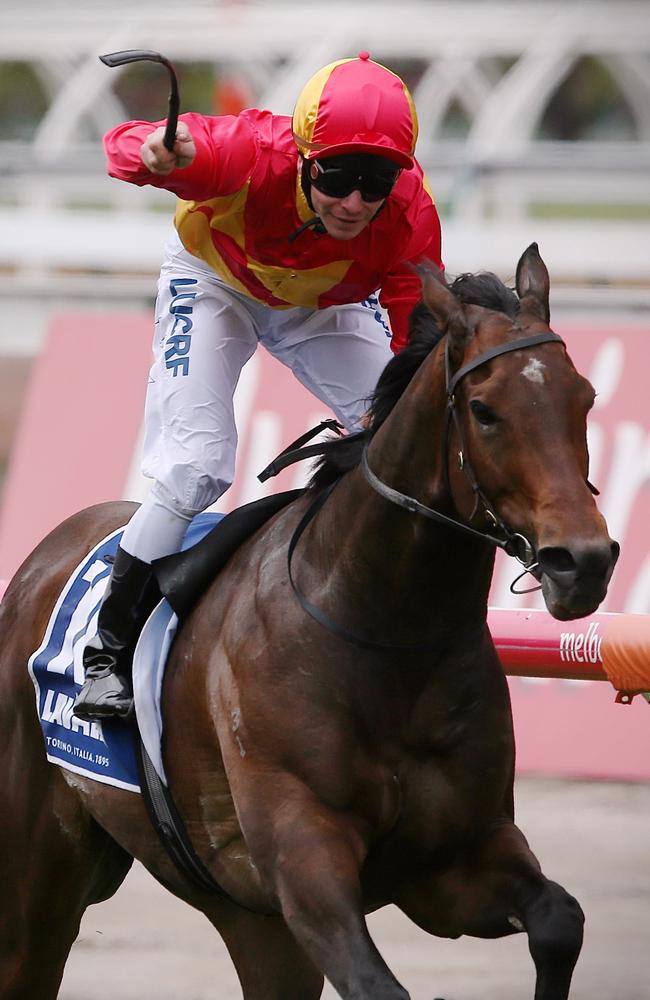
[483, 289]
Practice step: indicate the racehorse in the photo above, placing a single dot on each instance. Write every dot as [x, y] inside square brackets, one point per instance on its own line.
[346, 742]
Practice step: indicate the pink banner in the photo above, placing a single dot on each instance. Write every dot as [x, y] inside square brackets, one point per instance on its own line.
[79, 423]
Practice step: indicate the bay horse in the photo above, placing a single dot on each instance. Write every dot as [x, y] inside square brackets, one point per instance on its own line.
[347, 742]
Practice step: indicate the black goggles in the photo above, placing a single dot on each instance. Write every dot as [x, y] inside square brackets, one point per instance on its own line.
[338, 182]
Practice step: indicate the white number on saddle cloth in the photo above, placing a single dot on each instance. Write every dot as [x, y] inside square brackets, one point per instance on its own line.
[83, 623]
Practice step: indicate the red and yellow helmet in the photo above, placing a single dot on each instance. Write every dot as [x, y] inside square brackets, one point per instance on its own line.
[356, 106]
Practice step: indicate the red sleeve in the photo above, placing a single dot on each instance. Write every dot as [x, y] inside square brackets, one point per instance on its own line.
[402, 288]
[226, 148]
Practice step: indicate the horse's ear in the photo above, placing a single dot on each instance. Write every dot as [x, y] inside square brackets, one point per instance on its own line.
[533, 283]
[446, 309]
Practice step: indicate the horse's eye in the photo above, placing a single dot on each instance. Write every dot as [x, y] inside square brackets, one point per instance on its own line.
[485, 416]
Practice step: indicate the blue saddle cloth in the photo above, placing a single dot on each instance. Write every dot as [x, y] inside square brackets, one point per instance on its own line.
[106, 750]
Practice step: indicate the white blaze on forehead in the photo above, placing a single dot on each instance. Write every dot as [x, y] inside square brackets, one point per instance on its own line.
[534, 370]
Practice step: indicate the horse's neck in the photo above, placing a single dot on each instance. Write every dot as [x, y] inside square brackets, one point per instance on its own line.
[406, 452]
[379, 555]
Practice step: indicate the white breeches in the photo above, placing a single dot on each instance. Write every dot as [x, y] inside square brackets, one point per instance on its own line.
[205, 333]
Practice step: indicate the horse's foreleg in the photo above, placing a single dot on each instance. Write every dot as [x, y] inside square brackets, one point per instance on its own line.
[321, 902]
[500, 891]
[310, 857]
[554, 923]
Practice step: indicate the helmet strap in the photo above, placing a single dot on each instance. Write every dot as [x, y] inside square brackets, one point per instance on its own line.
[305, 181]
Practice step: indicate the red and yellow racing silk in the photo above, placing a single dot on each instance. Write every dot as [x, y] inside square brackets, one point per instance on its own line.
[241, 199]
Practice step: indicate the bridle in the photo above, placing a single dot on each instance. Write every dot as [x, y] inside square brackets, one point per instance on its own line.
[512, 542]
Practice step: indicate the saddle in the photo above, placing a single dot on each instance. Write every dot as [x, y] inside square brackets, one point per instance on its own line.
[184, 576]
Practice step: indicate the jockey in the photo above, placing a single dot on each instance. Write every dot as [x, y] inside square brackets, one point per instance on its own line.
[284, 230]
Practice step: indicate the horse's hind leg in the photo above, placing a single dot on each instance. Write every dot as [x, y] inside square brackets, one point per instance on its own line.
[54, 861]
[269, 962]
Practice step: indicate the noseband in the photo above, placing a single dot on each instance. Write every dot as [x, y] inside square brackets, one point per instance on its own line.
[512, 542]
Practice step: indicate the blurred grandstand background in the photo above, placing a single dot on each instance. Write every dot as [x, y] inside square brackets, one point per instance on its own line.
[535, 124]
[535, 120]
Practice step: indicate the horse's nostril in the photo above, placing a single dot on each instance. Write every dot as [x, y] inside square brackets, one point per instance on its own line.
[554, 560]
[584, 561]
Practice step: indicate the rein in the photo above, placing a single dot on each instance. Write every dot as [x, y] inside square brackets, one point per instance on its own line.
[343, 633]
[513, 543]
[415, 507]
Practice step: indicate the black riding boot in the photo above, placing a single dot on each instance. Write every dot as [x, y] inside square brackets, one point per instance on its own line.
[131, 595]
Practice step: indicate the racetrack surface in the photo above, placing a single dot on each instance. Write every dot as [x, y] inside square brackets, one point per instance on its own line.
[593, 838]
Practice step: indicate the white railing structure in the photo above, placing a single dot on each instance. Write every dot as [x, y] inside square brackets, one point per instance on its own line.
[66, 228]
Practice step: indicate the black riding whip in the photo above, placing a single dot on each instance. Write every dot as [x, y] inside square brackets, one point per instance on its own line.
[141, 55]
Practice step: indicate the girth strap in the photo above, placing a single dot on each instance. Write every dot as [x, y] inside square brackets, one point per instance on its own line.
[171, 830]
